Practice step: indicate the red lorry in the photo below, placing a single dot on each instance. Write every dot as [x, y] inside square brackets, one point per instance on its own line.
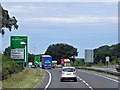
[65, 62]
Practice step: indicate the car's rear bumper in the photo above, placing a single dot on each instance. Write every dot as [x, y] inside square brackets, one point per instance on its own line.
[68, 78]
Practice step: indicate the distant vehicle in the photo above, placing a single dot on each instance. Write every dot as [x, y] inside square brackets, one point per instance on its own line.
[30, 64]
[40, 65]
[59, 66]
[65, 62]
[33, 66]
[54, 64]
[46, 61]
[118, 66]
[68, 73]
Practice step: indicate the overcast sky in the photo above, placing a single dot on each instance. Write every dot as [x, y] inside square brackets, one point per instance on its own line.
[84, 25]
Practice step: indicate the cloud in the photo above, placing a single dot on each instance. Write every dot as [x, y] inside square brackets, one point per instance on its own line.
[23, 8]
[82, 20]
[59, 0]
[71, 20]
[19, 9]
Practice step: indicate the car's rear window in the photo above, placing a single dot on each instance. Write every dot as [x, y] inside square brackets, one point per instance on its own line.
[68, 70]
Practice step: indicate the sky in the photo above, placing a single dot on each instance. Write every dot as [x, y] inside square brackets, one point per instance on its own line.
[84, 25]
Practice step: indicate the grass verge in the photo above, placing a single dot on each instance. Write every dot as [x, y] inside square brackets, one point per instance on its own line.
[28, 78]
[0, 85]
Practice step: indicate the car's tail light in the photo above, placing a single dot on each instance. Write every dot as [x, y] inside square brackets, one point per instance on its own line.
[74, 72]
[63, 73]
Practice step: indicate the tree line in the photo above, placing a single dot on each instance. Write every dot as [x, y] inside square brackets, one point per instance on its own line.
[62, 50]
[112, 51]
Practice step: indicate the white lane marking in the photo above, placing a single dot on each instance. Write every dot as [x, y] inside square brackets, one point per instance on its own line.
[38, 83]
[102, 76]
[49, 80]
[85, 83]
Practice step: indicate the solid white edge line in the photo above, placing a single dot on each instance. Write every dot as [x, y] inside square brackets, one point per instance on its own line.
[49, 80]
[102, 76]
[85, 83]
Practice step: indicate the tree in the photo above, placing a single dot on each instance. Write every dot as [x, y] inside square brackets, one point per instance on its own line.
[81, 62]
[76, 63]
[7, 51]
[31, 57]
[58, 51]
[7, 21]
[112, 51]
[101, 53]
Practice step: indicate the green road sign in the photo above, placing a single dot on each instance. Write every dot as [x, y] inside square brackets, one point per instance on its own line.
[19, 48]
[37, 60]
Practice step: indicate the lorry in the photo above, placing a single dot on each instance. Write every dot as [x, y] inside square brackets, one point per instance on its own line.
[65, 62]
[46, 61]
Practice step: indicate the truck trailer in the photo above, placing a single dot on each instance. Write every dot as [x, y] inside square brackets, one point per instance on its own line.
[65, 62]
[46, 61]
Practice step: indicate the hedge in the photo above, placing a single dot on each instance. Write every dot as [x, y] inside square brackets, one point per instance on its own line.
[10, 67]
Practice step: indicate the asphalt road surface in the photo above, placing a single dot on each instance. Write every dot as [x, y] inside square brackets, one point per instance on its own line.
[85, 81]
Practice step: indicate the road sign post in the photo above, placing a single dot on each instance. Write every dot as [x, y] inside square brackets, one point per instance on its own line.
[19, 48]
[107, 60]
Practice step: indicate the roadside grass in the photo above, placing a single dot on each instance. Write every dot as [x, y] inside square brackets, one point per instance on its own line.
[28, 78]
[0, 85]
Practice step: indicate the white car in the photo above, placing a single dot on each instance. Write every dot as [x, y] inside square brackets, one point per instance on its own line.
[68, 73]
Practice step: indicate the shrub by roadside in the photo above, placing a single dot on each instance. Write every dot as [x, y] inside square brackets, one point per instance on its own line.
[9, 67]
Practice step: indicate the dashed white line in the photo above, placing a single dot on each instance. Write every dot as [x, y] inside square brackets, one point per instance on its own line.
[102, 76]
[49, 80]
[85, 83]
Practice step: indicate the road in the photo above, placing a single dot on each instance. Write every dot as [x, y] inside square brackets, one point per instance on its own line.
[86, 81]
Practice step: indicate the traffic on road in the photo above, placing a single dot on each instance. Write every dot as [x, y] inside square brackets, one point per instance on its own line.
[85, 80]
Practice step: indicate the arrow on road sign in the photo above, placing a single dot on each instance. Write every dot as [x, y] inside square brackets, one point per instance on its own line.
[36, 62]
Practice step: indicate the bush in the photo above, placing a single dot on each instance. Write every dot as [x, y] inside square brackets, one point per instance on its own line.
[101, 63]
[76, 63]
[10, 67]
[88, 64]
[81, 63]
[113, 62]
